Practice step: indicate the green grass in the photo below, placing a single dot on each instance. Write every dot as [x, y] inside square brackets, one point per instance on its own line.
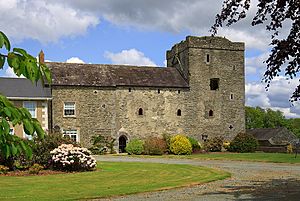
[112, 179]
[257, 157]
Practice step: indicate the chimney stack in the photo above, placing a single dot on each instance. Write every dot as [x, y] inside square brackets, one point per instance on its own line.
[41, 57]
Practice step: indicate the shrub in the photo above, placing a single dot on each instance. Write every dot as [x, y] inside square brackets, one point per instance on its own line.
[3, 169]
[66, 157]
[155, 146]
[289, 149]
[214, 144]
[167, 139]
[243, 143]
[135, 146]
[226, 145]
[102, 145]
[35, 169]
[42, 147]
[195, 144]
[180, 145]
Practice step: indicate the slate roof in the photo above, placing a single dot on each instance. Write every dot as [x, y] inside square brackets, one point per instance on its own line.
[20, 88]
[265, 133]
[70, 74]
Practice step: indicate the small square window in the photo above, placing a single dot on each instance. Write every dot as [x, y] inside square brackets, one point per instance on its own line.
[72, 134]
[214, 84]
[69, 109]
[31, 107]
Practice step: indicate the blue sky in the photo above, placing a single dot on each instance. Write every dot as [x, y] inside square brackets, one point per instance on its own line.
[136, 32]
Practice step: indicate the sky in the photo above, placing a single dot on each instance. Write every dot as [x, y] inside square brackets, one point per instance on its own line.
[137, 32]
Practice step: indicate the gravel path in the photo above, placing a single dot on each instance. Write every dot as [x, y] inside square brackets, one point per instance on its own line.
[249, 181]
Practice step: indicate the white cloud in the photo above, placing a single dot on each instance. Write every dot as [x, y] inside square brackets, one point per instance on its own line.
[44, 21]
[9, 73]
[129, 57]
[75, 60]
[277, 96]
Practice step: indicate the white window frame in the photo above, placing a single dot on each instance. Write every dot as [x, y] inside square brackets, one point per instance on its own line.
[12, 131]
[35, 107]
[69, 109]
[72, 132]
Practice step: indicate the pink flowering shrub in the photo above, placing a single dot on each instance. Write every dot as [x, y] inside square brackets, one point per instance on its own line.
[69, 158]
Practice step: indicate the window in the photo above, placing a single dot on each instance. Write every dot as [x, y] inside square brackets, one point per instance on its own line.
[72, 134]
[31, 107]
[178, 112]
[11, 131]
[230, 127]
[69, 109]
[129, 89]
[207, 58]
[140, 111]
[214, 83]
[231, 96]
[158, 91]
[210, 113]
[178, 91]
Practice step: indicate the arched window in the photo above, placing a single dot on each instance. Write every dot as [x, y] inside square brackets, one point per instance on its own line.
[178, 112]
[141, 111]
[211, 113]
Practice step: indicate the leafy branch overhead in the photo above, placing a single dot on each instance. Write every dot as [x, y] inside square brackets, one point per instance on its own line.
[276, 14]
[23, 64]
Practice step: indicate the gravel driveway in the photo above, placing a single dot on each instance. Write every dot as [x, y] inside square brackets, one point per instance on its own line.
[249, 181]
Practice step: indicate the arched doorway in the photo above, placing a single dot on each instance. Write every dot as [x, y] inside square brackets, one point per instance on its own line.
[122, 143]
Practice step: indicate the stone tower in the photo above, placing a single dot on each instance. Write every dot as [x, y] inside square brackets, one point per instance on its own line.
[214, 69]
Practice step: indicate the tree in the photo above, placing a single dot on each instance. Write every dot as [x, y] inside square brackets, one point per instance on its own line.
[285, 53]
[24, 64]
[260, 118]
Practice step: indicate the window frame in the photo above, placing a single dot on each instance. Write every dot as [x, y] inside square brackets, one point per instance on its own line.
[35, 107]
[70, 134]
[64, 109]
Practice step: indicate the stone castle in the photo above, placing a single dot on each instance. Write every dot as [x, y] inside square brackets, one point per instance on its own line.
[200, 94]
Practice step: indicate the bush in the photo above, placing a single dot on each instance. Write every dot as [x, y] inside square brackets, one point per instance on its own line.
[195, 144]
[155, 146]
[167, 139]
[35, 169]
[214, 144]
[243, 143]
[135, 146]
[66, 157]
[42, 147]
[3, 169]
[180, 145]
[102, 145]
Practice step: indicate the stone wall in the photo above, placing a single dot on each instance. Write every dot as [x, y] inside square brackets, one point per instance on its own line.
[114, 111]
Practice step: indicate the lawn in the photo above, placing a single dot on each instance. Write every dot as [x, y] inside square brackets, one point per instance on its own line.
[112, 178]
[258, 157]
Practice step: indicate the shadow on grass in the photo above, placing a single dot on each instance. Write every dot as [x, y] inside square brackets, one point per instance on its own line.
[275, 189]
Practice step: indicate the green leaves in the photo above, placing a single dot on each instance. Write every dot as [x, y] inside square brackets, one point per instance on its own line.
[4, 41]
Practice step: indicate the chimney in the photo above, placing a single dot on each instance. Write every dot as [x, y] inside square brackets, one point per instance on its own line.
[41, 57]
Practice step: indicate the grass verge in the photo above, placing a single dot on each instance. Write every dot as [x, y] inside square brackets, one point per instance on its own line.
[112, 179]
[255, 157]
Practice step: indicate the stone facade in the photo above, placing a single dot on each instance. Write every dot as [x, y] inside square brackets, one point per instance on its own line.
[211, 103]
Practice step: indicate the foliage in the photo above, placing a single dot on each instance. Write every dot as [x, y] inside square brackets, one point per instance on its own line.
[35, 169]
[3, 169]
[214, 144]
[293, 125]
[24, 64]
[180, 145]
[289, 149]
[167, 139]
[42, 147]
[102, 145]
[226, 145]
[135, 146]
[195, 144]
[155, 146]
[243, 143]
[285, 52]
[67, 157]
